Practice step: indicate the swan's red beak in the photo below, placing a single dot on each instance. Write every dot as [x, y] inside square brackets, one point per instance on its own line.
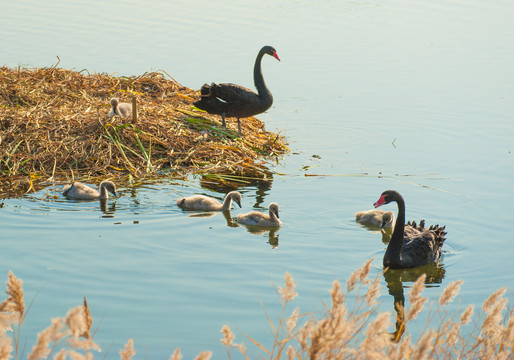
[380, 201]
[275, 55]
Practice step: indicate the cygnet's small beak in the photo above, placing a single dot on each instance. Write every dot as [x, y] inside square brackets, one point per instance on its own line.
[238, 203]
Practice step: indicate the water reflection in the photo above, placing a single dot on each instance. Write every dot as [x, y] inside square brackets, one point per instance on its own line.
[108, 211]
[263, 189]
[258, 230]
[395, 279]
[385, 232]
[232, 222]
[133, 195]
[227, 214]
[386, 235]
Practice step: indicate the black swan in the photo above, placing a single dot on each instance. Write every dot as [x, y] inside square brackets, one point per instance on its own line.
[231, 100]
[411, 245]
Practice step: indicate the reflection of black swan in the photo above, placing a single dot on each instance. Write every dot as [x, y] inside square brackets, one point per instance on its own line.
[413, 245]
[395, 279]
[232, 100]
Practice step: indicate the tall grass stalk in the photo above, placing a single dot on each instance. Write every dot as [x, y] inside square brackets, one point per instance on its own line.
[115, 139]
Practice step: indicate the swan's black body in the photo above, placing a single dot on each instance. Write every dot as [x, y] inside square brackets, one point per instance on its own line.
[411, 245]
[231, 100]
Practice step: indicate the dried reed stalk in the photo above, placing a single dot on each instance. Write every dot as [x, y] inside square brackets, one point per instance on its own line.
[228, 336]
[450, 292]
[416, 300]
[15, 303]
[52, 334]
[341, 332]
[176, 355]
[204, 355]
[288, 292]
[128, 351]
[6, 348]
[13, 313]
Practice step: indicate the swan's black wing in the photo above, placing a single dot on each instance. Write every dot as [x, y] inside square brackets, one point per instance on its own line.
[233, 93]
[232, 100]
[227, 93]
[421, 245]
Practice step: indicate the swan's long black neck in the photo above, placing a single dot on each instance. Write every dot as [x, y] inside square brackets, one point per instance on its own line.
[259, 79]
[394, 249]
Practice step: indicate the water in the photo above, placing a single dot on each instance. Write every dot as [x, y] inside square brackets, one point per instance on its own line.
[373, 95]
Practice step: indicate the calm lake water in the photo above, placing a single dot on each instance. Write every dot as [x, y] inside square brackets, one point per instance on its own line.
[374, 95]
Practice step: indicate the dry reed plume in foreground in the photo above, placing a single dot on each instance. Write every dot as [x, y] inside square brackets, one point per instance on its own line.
[344, 331]
[54, 124]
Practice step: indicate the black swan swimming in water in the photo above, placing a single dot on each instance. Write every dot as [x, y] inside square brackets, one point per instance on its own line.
[411, 245]
[231, 100]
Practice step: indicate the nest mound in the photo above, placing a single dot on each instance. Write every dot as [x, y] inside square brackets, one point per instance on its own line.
[54, 124]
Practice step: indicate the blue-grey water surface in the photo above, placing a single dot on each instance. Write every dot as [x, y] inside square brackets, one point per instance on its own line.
[375, 95]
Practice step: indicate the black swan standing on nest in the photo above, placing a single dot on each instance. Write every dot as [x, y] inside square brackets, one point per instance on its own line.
[231, 100]
[411, 245]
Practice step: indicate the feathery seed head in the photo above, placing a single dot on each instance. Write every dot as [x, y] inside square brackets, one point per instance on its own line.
[288, 292]
[228, 336]
[205, 355]
[450, 292]
[176, 355]
[128, 351]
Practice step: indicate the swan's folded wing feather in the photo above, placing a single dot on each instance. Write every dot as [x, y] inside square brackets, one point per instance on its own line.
[200, 202]
[420, 247]
[87, 190]
[252, 218]
[232, 92]
[80, 191]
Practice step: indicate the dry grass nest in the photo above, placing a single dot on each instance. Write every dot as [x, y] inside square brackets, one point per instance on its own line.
[54, 125]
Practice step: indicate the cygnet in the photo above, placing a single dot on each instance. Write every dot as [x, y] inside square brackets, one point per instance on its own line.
[202, 202]
[79, 191]
[120, 109]
[256, 218]
[379, 218]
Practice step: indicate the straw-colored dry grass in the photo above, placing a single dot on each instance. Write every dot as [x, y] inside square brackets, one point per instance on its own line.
[343, 331]
[54, 124]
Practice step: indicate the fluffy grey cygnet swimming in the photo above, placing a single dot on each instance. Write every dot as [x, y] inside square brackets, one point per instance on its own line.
[79, 191]
[120, 109]
[375, 217]
[256, 218]
[202, 202]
